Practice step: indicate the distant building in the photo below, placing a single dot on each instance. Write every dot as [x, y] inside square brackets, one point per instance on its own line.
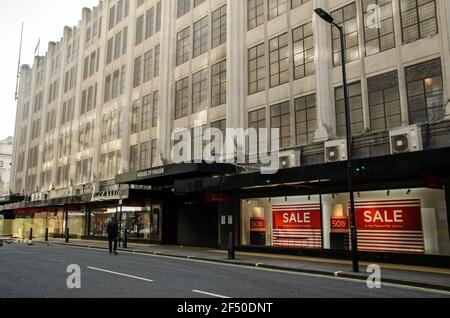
[6, 147]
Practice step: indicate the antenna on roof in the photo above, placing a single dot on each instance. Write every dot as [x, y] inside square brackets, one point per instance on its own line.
[18, 66]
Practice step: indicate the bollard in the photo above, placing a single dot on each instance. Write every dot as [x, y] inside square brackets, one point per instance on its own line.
[31, 234]
[46, 234]
[231, 247]
[125, 239]
[67, 236]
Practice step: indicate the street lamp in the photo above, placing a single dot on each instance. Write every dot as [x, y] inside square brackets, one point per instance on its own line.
[328, 18]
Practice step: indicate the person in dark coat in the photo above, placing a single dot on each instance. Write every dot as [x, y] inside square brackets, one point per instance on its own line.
[113, 233]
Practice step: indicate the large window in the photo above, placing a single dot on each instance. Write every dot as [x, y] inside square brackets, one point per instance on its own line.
[199, 91]
[144, 157]
[356, 110]
[219, 84]
[155, 109]
[256, 69]
[280, 118]
[305, 119]
[346, 16]
[219, 26]
[298, 3]
[384, 101]
[418, 19]
[379, 39]
[134, 158]
[184, 6]
[183, 46]
[201, 36]
[255, 14]
[425, 92]
[277, 8]
[139, 30]
[146, 112]
[149, 21]
[279, 60]
[137, 72]
[182, 98]
[303, 51]
[148, 66]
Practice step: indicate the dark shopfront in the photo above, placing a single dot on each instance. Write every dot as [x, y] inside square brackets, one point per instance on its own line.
[402, 209]
[189, 220]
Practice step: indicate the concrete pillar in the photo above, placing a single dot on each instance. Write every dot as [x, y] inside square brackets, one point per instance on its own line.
[236, 48]
[326, 123]
[166, 79]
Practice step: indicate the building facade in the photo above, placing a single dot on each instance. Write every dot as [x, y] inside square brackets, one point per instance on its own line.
[6, 146]
[99, 108]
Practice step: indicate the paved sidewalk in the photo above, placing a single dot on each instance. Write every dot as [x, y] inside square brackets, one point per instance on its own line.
[418, 276]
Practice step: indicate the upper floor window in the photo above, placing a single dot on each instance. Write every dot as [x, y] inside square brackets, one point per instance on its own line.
[277, 8]
[380, 36]
[255, 13]
[356, 110]
[346, 17]
[418, 19]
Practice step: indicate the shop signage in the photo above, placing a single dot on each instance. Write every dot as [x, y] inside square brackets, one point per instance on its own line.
[216, 197]
[391, 226]
[257, 225]
[297, 226]
[340, 224]
[116, 194]
[151, 173]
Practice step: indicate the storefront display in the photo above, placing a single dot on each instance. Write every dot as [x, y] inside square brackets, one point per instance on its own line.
[258, 227]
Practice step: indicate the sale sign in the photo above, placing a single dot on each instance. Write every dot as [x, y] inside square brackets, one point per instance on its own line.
[257, 225]
[340, 224]
[392, 226]
[297, 226]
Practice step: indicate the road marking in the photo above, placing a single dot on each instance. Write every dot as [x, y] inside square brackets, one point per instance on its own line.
[210, 294]
[120, 274]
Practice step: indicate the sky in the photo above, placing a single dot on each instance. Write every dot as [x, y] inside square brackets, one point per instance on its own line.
[44, 19]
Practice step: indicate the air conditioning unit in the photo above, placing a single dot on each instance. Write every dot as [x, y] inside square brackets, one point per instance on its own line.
[290, 159]
[335, 150]
[406, 139]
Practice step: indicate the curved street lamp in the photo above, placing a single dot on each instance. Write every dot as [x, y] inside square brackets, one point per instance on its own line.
[354, 242]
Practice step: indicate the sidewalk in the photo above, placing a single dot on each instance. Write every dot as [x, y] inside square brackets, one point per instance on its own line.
[417, 276]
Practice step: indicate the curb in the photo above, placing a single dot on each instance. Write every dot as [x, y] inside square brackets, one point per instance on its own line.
[359, 277]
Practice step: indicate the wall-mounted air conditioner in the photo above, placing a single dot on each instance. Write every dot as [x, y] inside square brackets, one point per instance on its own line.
[290, 159]
[335, 150]
[406, 139]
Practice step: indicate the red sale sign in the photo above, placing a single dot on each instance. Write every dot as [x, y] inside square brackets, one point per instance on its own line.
[297, 226]
[257, 225]
[392, 225]
[340, 224]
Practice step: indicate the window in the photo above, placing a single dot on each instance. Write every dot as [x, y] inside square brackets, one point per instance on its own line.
[158, 16]
[117, 45]
[183, 7]
[384, 101]
[123, 74]
[219, 26]
[145, 155]
[137, 72]
[183, 46]
[280, 118]
[154, 154]
[125, 40]
[198, 2]
[279, 60]
[157, 51]
[201, 36]
[146, 112]
[134, 152]
[256, 69]
[418, 19]
[139, 30]
[149, 20]
[303, 51]
[148, 67]
[112, 12]
[425, 92]
[298, 3]
[135, 109]
[255, 14]
[346, 16]
[379, 39]
[277, 8]
[109, 53]
[219, 84]
[155, 109]
[356, 110]
[199, 91]
[115, 84]
[305, 119]
[182, 98]
[119, 14]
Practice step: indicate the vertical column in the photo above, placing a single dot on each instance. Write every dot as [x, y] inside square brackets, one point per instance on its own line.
[236, 48]
[166, 79]
[444, 29]
[326, 123]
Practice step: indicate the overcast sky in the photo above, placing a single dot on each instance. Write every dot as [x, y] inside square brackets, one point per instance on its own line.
[44, 19]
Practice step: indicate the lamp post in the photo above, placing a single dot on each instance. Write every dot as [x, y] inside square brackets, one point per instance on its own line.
[328, 18]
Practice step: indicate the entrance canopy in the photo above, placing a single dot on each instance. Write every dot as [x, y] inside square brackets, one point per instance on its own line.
[167, 175]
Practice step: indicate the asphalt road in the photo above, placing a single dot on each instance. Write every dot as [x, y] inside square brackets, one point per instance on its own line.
[40, 271]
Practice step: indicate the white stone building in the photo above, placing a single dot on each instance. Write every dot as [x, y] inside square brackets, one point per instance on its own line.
[6, 146]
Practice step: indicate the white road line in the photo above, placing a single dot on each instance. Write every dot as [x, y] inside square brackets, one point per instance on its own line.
[209, 294]
[120, 274]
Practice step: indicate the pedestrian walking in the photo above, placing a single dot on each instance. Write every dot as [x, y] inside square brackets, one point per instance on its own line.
[113, 233]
